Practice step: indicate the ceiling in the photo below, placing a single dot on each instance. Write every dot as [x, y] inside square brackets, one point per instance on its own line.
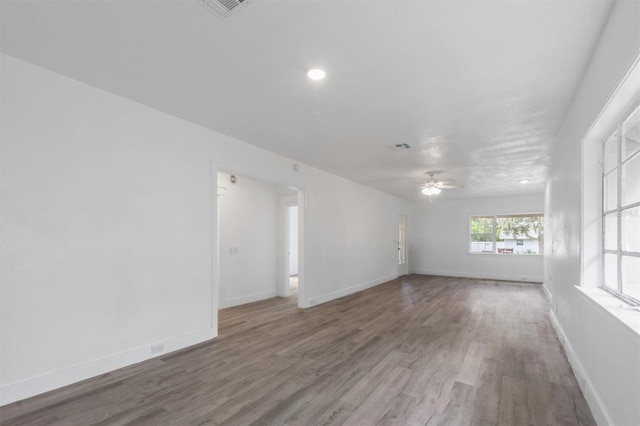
[477, 88]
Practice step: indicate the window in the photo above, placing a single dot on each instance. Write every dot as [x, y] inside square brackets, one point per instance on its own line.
[513, 234]
[482, 235]
[621, 209]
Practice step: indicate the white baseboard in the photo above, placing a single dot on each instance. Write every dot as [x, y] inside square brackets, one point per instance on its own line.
[324, 298]
[518, 278]
[36, 385]
[547, 293]
[256, 297]
[598, 410]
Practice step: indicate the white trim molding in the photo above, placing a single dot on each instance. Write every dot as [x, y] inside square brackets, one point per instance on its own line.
[475, 275]
[598, 410]
[547, 293]
[324, 298]
[56, 379]
[256, 297]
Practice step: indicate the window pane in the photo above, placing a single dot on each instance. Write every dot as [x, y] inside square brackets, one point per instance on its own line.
[630, 232]
[482, 234]
[631, 181]
[520, 234]
[611, 232]
[611, 191]
[482, 225]
[631, 276]
[611, 153]
[632, 135]
[482, 237]
[481, 246]
[611, 271]
[631, 146]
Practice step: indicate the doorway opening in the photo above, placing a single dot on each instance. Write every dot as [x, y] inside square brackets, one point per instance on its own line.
[292, 248]
[254, 255]
[403, 267]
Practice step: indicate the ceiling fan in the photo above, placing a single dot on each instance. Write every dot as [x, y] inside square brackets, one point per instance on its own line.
[433, 187]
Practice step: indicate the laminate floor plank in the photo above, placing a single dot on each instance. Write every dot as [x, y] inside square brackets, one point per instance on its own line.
[459, 409]
[398, 413]
[379, 401]
[419, 350]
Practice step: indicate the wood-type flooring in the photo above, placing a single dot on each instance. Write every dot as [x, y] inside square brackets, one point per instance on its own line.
[419, 350]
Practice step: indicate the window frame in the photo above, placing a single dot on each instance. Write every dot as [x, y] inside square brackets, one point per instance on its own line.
[494, 237]
[492, 234]
[618, 129]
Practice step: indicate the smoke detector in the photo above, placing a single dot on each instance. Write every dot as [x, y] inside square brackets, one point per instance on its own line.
[221, 8]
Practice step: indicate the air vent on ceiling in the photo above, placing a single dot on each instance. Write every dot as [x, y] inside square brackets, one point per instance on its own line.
[400, 146]
[221, 7]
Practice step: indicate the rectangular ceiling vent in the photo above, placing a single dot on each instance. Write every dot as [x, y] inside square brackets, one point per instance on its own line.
[400, 146]
[221, 8]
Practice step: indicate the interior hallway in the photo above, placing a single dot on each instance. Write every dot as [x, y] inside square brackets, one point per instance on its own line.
[417, 350]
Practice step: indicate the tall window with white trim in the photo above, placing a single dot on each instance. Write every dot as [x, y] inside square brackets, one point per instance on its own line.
[621, 209]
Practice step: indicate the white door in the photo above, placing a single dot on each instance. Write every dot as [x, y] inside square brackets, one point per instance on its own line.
[403, 267]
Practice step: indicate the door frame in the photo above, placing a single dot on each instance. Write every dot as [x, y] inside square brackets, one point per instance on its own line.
[283, 286]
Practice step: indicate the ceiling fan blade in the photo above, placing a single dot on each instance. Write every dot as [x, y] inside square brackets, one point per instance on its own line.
[449, 185]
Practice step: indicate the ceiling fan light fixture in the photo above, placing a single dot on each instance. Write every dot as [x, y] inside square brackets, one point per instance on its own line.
[431, 190]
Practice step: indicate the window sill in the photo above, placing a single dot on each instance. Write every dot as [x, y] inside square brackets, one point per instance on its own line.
[628, 315]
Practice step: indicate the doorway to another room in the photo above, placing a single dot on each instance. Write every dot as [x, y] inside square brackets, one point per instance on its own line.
[291, 259]
[403, 267]
[260, 242]
[292, 248]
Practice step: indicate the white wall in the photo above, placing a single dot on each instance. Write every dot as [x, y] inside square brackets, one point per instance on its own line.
[440, 239]
[106, 230]
[109, 213]
[604, 352]
[351, 236]
[248, 240]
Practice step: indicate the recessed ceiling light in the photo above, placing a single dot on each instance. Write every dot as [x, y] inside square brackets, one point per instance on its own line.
[524, 181]
[316, 74]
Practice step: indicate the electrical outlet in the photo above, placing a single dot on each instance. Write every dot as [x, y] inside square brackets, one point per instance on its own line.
[312, 302]
[156, 349]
